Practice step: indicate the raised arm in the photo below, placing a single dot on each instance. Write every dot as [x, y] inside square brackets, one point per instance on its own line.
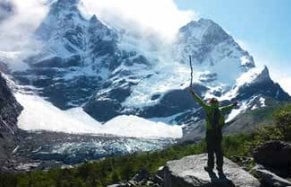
[198, 99]
[228, 107]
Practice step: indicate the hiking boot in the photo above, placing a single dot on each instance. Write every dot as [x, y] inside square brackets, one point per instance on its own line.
[220, 173]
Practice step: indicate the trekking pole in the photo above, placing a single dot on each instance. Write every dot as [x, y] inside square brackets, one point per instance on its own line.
[190, 61]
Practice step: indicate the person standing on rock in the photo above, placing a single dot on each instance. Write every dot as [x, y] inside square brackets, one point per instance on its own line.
[214, 123]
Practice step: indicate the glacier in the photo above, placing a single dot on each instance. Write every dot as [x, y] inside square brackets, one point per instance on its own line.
[39, 114]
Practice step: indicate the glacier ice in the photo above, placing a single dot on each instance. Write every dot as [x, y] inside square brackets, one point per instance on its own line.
[39, 114]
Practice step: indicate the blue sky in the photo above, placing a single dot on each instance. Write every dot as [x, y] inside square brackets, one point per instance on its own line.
[262, 26]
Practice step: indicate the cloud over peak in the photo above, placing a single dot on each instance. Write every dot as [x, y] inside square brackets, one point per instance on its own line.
[162, 16]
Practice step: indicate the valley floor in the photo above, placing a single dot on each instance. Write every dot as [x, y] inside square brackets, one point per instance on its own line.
[44, 150]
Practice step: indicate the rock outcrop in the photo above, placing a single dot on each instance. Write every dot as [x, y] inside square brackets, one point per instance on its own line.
[268, 178]
[274, 163]
[275, 154]
[9, 111]
[141, 178]
[189, 171]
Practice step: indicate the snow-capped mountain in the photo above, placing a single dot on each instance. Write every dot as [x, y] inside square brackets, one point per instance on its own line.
[213, 51]
[109, 72]
[67, 68]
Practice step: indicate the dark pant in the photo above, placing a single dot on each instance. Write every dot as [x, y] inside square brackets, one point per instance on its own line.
[213, 141]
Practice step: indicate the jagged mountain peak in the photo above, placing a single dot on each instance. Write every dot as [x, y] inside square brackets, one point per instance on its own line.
[213, 52]
[97, 25]
[66, 3]
[202, 23]
[64, 7]
[258, 81]
[205, 31]
[65, 32]
[94, 19]
[253, 76]
[263, 76]
[62, 16]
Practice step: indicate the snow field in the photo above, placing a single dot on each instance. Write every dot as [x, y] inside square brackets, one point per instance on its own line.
[39, 114]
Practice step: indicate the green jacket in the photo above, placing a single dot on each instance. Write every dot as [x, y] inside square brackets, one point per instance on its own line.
[210, 109]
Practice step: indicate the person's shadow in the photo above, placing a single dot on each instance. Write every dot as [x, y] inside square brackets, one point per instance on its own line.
[220, 180]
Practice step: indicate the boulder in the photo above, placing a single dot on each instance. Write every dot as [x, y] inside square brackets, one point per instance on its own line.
[275, 154]
[189, 171]
[269, 178]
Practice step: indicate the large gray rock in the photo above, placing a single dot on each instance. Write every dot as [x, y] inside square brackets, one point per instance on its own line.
[269, 178]
[189, 171]
[275, 154]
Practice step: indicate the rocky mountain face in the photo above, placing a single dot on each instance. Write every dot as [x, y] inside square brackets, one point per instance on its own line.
[79, 58]
[212, 50]
[85, 62]
[66, 68]
[9, 111]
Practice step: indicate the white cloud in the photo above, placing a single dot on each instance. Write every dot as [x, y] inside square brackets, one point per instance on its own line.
[16, 31]
[5, 9]
[162, 16]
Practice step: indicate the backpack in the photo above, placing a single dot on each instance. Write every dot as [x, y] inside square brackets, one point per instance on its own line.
[215, 120]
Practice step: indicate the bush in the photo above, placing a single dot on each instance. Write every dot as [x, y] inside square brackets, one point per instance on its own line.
[283, 122]
[236, 145]
[280, 130]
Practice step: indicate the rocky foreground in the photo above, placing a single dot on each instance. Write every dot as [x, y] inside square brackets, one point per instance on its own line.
[189, 171]
[272, 169]
[273, 163]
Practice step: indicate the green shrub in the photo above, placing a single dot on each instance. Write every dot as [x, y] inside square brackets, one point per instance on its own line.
[236, 145]
[283, 122]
